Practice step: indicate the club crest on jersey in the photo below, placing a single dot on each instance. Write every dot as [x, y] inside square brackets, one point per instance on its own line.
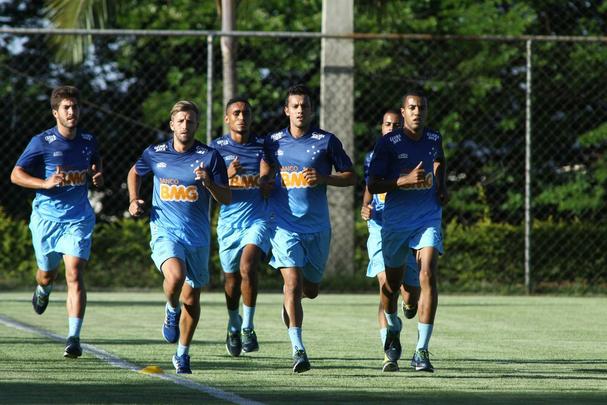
[395, 138]
[160, 148]
[316, 135]
[50, 138]
[201, 150]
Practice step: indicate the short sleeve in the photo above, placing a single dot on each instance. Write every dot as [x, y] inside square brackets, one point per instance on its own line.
[268, 151]
[380, 161]
[32, 158]
[340, 159]
[366, 164]
[218, 169]
[143, 165]
[440, 154]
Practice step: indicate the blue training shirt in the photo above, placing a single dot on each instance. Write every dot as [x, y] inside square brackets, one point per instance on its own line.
[297, 206]
[248, 205]
[377, 200]
[396, 154]
[180, 204]
[67, 202]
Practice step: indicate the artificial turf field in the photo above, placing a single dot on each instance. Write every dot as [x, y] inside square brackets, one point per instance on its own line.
[486, 349]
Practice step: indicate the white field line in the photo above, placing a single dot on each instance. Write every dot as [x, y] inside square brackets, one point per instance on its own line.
[120, 363]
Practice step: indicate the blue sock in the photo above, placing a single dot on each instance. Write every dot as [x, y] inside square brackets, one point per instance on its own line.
[44, 290]
[235, 321]
[247, 317]
[393, 322]
[425, 332]
[181, 350]
[171, 309]
[295, 336]
[74, 325]
[383, 332]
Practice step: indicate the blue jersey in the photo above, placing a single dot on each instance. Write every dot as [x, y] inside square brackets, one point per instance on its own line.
[297, 206]
[180, 204]
[248, 205]
[68, 202]
[377, 200]
[397, 154]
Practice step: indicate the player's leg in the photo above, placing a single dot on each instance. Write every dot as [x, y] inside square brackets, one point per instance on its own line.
[428, 245]
[230, 251]
[410, 289]
[174, 272]
[190, 298]
[293, 292]
[44, 280]
[45, 236]
[76, 303]
[389, 365]
[249, 266]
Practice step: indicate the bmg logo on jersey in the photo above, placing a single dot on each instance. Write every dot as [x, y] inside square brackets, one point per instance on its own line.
[245, 181]
[294, 180]
[171, 190]
[74, 178]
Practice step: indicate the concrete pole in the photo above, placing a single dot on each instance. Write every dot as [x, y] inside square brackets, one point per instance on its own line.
[337, 116]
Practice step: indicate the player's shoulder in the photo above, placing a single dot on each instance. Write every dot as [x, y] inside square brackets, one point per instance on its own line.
[275, 136]
[322, 135]
[46, 137]
[392, 138]
[220, 142]
[158, 148]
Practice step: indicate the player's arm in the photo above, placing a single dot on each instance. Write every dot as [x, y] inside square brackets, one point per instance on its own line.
[22, 178]
[133, 182]
[97, 174]
[414, 177]
[440, 174]
[266, 177]
[366, 210]
[221, 194]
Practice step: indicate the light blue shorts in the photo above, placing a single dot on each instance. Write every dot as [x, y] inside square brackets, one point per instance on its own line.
[376, 259]
[196, 259]
[397, 244]
[52, 240]
[307, 251]
[232, 242]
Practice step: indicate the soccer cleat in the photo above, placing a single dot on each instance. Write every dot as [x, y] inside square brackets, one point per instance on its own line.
[72, 347]
[170, 327]
[233, 344]
[421, 361]
[389, 366]
[301, 364]
[39, 302]
[249, 341]
[182, 364]
[392, 346]
[409, 310]
[285, 316]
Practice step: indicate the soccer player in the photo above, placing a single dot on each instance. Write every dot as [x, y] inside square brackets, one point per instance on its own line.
[409, 165]
[371, 211]
[304, 158]
[187, 174]
[57, 163]
[242, 230]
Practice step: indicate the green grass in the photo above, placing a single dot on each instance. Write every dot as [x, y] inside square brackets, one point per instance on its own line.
[485, 349]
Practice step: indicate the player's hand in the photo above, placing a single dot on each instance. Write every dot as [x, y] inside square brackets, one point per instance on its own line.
[203, 175]
[96, 177]
[54, 180]
[366, 212]
[442, 194]
[136, 207]
[312, 176]
[413, 178]
[266, 185]
[234, 168]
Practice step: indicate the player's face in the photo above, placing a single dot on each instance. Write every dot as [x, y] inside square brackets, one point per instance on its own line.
[414, 111]
[299, 111]
[238, 117]
[184, 125]
[390, 122]
[67, 113]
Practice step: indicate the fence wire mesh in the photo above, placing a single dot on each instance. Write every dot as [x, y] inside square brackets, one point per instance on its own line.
[477, 93]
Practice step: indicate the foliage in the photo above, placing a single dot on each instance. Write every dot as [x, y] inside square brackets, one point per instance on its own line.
[17, 262]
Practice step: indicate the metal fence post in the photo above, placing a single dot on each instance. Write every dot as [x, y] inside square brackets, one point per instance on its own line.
[528, 286]
[209, 88]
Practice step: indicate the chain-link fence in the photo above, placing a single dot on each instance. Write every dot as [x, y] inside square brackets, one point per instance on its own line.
[524, 122]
